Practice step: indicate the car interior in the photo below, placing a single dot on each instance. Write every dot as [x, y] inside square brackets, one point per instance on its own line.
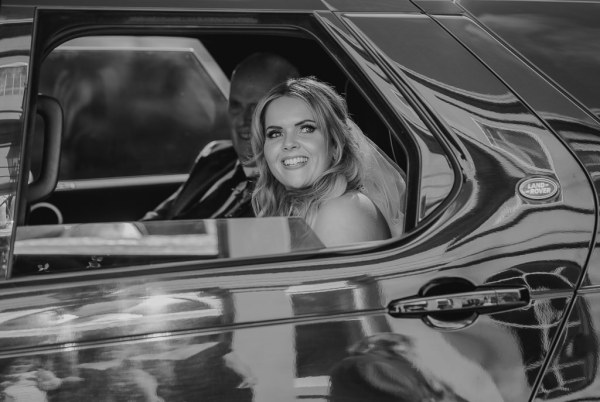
[136, 110]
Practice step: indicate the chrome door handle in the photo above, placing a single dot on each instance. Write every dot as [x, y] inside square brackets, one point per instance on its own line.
[481, 301]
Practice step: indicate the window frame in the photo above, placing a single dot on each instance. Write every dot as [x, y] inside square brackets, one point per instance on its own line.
[126, 22]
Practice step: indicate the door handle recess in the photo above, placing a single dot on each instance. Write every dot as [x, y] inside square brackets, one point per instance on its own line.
[480, 301]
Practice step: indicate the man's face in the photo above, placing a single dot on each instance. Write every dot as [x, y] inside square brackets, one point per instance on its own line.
[246, 90]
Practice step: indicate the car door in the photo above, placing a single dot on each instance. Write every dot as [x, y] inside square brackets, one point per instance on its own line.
[468, 304]
[416, 61]
[563, 52]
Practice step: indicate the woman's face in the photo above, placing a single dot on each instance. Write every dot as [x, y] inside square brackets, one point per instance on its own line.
[295, 147]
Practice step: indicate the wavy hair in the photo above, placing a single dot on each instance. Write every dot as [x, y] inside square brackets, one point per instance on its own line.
[270, 197]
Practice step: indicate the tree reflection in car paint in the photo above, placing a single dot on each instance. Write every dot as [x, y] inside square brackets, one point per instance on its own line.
[152, 370]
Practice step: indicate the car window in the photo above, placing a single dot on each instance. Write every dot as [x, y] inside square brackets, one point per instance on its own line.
[13, 77]
[134, 105]
[139, 110]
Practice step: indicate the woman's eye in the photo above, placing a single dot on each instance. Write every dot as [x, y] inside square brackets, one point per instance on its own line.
[273, 134]
[308, 129]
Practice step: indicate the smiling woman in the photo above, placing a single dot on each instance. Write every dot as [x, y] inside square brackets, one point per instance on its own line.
[314, 163]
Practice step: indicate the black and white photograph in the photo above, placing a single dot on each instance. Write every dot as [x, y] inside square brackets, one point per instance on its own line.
[308, 200]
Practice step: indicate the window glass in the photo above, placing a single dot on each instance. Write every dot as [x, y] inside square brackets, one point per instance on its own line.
[134, 105]
[139, 111]
[13, 79]
[10, 133]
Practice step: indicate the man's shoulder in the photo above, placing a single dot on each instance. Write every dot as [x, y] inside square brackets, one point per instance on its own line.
[216, 156]
[217, 147]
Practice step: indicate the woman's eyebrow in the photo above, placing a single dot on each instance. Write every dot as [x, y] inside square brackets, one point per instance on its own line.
[295, 124]
[304, 121]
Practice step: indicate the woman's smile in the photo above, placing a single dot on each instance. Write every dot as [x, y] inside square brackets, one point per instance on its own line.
[295, 162]
[295, 146]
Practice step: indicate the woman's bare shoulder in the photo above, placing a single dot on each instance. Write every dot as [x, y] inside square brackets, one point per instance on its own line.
[350, 218]
[350, 202]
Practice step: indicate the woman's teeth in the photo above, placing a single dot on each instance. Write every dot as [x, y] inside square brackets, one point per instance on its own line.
[295, 161]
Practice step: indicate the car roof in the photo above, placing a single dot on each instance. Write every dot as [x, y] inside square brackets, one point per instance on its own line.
[230, 5]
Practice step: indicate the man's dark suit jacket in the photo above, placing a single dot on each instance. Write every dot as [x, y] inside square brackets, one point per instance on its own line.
[216, 188]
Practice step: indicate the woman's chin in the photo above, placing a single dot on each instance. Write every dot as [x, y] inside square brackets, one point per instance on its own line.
[296, 186]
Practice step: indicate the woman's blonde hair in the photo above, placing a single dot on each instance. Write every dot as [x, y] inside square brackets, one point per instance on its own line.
[270, 197]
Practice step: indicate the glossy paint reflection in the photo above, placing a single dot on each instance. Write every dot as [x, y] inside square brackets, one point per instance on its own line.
[150, 370]
[50, 249]
[106, 312]
[567, 119]
[293, 324]
[503, 144]
[436, 176]
[573, 373]
[14, 59]
[559, 38]
[376, 357]
[312, 355]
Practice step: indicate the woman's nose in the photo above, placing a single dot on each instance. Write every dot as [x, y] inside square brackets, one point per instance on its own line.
[289, 142]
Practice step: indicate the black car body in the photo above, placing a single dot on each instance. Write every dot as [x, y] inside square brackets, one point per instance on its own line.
[491, 108]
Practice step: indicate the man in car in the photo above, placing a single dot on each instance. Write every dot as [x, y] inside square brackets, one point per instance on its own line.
[221, 181]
